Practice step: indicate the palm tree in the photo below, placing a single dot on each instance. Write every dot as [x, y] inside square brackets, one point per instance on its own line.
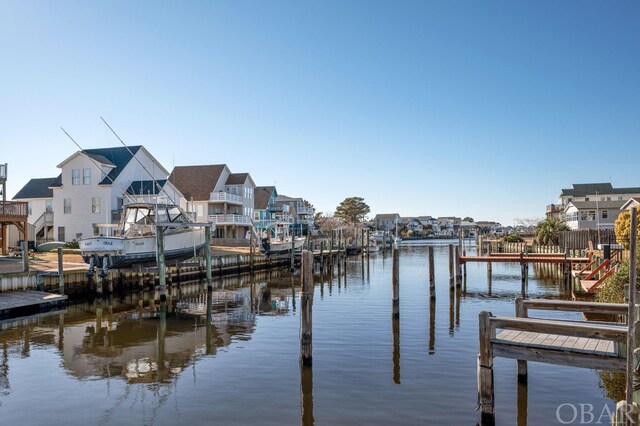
[548, 231]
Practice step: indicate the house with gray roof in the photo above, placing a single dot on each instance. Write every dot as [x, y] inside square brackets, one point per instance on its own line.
[38, 194]
[220, 197]
[94, 184]
[586, 192]
[387, 221]
[296, 212]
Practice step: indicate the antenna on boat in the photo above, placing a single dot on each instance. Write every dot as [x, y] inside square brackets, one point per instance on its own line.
[95, 163]
[155, 183]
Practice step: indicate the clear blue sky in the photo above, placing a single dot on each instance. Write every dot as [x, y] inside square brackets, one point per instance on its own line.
[480, 108]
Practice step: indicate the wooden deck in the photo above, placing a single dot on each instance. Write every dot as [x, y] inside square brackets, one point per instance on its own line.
[25, 302]
[557, 342]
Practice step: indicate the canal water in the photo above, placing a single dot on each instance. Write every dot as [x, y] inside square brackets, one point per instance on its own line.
[232, 358]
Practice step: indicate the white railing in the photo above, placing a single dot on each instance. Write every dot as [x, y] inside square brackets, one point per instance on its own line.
[305, 210]
[226, 197]
[230, 219]
[45, 219]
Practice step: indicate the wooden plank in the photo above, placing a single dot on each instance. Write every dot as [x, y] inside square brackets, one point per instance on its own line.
[551, 356]
[539, 339]
[504, 335]
[570, 342]
[603, 348]
[591, 345]
[600, 331]
[580, 343]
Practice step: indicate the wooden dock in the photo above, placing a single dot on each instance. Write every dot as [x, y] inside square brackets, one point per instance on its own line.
[585, 344]
[27, 302]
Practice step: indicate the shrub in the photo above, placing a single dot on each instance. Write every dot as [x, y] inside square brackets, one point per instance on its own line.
[613, 289]
[623, 228]
[72, 245]
[513, 238]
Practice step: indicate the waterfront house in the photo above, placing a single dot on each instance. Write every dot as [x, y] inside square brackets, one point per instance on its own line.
[93, 185]
[266, 212]
[387, 221]
[587, 192]
[430, 225]
[592, 214]
[38, 194]
[631, 202]
[412, 224]
[448, 225]
[220, 197]
[300, 214]
[488, 227]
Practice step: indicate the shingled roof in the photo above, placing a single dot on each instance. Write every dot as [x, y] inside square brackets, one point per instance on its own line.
[196, 182]
[262, 194]
[118, 157]
[237, 178]
[37, 188]
[584, 189]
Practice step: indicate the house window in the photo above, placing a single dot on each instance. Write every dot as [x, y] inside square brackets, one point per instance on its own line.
[67, 205]
[48, 205]
[95, 204]
[583, 215]
[61, 234]
[96, 231]
[605, 214]
[592, 215]
[586, 199]
[200, 210]
[75, 177]
[86, 176]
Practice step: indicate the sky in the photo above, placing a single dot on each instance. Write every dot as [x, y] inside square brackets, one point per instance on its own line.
[468, 108]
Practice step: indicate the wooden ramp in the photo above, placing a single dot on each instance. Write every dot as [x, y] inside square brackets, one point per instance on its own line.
[557, 342]
[27, 302]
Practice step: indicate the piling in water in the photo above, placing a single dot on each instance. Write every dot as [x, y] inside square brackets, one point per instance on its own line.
[306, 314]
[432, 275]
[396, 281]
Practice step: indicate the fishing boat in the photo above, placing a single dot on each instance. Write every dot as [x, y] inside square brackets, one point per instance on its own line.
[373, 246]
[276, 239]
[134, 241]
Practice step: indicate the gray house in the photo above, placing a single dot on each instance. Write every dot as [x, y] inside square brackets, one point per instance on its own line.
[387, 221]
[592, 214]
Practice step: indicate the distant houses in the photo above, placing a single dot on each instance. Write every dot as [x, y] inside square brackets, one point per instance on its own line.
[387, 221]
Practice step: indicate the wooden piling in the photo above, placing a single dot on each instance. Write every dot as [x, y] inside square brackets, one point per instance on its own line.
[632, 361]
[395, 326]
[207, 256]
[60, 271]
[24, 246]
[458, 267]
[306, 314]
[432, 275]
[395, 255]
[521, 312]
[485, 369]
[161, 265]
[451, 273]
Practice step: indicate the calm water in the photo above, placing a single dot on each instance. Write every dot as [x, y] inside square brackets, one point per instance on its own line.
[130, 361]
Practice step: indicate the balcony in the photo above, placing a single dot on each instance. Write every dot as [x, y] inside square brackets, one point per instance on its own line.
[13, 211]
[229, 219]
[305, 210]
[226, 197]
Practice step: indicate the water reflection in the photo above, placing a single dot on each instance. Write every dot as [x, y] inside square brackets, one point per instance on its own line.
[432, 326]
[396, 350]
[306, 393]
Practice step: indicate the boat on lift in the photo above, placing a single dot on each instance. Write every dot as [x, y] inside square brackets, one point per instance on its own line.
[276, 239]
[134, 241]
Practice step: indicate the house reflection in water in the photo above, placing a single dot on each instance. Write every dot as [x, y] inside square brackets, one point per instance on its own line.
[135, 338]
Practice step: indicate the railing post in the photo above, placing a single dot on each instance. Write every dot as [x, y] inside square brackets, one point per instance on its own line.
[521, 312]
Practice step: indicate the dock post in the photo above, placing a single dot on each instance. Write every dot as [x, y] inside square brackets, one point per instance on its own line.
[395, 328]
[521, 312]
[451, 273]
[632, 352]
[368, 241]
[523, 278]
[331, 253]
[485, 370]
[293, 252]
[207, 256]
[306, 309]
[60, 271]
[251, 251]
[395, 255]
[458, 267]
[432, 275]
[24, 246]
[489, 275]
[162, 279]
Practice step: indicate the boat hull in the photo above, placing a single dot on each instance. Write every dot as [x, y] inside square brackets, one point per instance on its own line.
[276, 247]
[128, 251]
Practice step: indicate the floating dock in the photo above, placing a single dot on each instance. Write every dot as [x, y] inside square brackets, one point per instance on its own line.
[28, 302]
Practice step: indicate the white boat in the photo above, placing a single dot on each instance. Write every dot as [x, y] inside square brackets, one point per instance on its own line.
[276, 240]
[135, 240]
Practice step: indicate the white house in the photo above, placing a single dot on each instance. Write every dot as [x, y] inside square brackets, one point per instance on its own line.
[93, 188]
[387, 221]
[588, 192]
[38, 194]
[592, 214]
